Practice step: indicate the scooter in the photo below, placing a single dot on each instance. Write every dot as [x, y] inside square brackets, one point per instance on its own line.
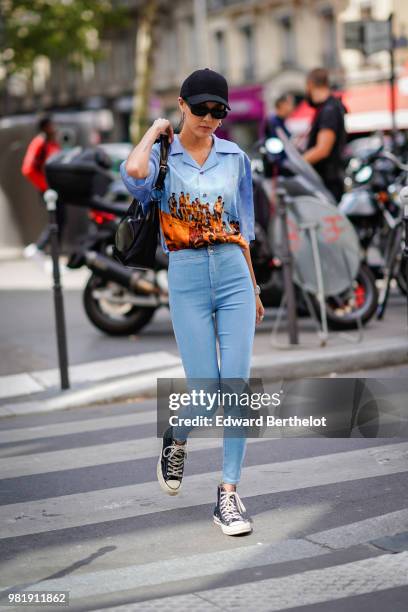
[351, 295]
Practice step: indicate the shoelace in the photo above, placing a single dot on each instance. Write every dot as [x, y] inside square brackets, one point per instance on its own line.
[175, 453]
[231, 505]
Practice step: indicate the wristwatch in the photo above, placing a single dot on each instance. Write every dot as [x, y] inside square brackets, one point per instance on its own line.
[257, 290]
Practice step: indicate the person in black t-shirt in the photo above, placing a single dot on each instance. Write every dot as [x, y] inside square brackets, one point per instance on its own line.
[327, 135]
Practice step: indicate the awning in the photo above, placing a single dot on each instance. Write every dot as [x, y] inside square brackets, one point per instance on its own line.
[368, 108]
[246, 103]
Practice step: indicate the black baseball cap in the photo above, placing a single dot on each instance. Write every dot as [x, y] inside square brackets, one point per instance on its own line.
[205, 86]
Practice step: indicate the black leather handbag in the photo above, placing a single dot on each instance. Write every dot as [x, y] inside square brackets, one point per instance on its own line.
[137, 234]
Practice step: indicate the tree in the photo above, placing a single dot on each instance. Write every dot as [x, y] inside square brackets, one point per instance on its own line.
[55, 29]
[143, 70]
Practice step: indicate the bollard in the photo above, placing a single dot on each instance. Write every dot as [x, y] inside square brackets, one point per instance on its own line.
[286, 259]
[50, 197]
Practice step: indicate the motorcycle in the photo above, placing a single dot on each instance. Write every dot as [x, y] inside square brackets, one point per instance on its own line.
[350, 290]
[373, 206]
[117, 300]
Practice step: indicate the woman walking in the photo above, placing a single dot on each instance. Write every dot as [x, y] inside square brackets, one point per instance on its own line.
[206, 224]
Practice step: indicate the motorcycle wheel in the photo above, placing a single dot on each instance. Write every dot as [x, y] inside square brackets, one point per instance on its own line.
[113, 319]
[358, 302]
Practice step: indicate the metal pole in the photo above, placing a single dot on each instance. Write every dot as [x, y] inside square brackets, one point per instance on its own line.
[405, 253]
[286, 259]
[403, 195]
[50, 198]
[392, 81]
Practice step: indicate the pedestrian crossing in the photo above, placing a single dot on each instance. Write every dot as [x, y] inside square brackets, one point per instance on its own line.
[94, 521]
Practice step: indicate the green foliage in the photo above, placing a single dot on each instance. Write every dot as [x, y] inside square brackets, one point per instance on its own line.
[56, 29]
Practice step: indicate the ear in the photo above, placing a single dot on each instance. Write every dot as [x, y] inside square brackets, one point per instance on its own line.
[182, 104]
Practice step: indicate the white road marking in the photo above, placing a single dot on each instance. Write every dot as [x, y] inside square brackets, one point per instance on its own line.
[93, 507]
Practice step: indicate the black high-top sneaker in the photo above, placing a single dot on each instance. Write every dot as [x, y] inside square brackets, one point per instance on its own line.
[170, 465]
[228, 513]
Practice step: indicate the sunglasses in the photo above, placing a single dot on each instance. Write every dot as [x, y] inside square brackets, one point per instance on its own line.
[201, 110]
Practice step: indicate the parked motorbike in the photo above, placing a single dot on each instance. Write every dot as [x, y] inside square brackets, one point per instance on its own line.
[350, 291]
[373, 206]
[117, 300]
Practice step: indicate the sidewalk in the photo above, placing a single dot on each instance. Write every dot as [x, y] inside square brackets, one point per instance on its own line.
[384, 343]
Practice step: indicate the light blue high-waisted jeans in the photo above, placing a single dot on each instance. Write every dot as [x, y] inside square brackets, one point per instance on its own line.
[211, 295]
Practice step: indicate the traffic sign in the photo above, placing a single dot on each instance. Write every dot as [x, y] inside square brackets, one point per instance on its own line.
[354, 35]
[377, 36]
[367, 36]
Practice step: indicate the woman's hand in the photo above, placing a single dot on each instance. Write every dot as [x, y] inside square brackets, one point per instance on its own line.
[260, 310]
[163, 126]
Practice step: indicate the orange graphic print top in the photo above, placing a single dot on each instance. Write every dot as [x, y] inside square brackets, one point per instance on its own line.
[200, 205]
[194, 224]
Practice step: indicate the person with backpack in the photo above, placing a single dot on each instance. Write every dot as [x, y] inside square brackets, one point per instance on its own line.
[327, 136]
[41, 147]
[212, 287]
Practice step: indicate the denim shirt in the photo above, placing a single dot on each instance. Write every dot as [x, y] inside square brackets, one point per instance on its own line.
[200, 205]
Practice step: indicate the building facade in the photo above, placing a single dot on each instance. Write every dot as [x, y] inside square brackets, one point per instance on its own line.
[376, 67]
[263, 47]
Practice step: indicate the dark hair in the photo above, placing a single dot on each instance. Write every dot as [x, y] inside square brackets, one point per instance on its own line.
[283, 98]
[43, 122]
[180, 125]
[319, 77]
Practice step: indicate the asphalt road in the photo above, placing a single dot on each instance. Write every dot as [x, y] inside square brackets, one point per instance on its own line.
[81, 511]
[27, 334]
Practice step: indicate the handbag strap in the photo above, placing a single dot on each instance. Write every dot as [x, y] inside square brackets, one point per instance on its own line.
[164, 153]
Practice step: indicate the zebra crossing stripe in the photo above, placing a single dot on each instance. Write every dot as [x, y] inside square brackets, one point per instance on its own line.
[92, 507]
[91, 456]
[183, 568]
[79, 426]
[302, 589]
[362, 531]
[200, 565]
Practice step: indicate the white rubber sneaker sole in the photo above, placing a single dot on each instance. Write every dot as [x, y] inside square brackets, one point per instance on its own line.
[243, 527]
[163, 483]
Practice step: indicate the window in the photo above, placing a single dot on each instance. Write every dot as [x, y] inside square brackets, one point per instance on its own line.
[191, 50]
[249, 52]
[329, 39]
[221, 52]
[173, 53]
[288, 41]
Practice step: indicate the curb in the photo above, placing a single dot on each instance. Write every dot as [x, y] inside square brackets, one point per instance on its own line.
[302, 364]
[270, 368]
